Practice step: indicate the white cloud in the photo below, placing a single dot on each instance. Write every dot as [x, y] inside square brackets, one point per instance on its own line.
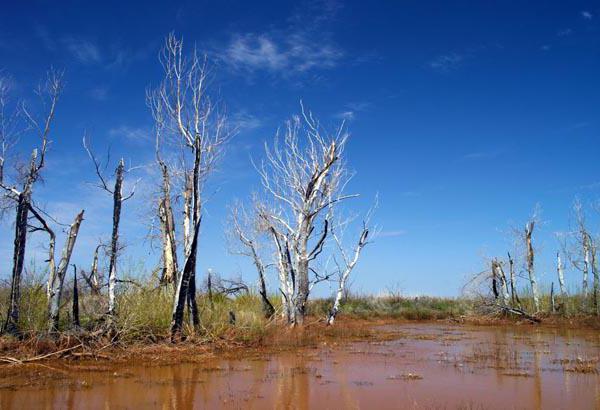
[447, 62]
[132, 134]
[244, 121]
[587, 15]
[392, 234]
[345, 115]
[84, 51]
[286, 54]
[477, 155]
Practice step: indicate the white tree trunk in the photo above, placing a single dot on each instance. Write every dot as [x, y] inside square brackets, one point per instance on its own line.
[350, 264]
[58, 277]
[586, 265]
[561, 277]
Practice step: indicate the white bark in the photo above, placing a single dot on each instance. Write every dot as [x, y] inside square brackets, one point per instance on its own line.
[304, 176]
[561, 277]
[58, 277]
[187, 118]
[350, 264]
[586, 265]
[503, 284]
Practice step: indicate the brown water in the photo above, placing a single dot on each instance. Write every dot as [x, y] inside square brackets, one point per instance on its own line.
[423, 366]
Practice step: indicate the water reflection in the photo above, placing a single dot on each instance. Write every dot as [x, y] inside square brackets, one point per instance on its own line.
[428, 366]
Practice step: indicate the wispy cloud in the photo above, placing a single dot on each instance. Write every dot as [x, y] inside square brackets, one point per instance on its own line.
[88, 52]
[244, 121]
[565, 32]
[392, 234]
[293, 53]
[352, 109]
[99, 93]
[447, 62]
[345, 115]
[587, 15]
[84, 51]
[131, 134]
[478, 155]
[304, 45]
[591, 186]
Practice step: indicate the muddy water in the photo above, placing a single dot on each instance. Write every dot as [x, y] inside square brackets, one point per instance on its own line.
[422, 366]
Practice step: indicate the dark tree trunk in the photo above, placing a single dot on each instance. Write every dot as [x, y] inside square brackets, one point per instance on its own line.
[513, 286]
[267, 306]
[210, 294]
[195, 320]
[114, 243]
[11, 325]
[76, 323]
[181, 294]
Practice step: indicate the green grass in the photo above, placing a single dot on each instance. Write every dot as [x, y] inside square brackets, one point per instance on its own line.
[417, 308]
[144, 310]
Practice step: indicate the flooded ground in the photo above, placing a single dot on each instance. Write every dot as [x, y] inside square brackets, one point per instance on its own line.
[420, 366]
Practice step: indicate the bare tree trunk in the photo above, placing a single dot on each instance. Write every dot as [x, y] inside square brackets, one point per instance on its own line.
[344, 277]
[170, 268]
[210, 293]
[11, 325]
[114, 243]
[503, 284]
[285, 276]
[586, 264]
[513, 284]
[552, 302]
[530, 265]
[181, 293]
[267, 306]
[594, 266]
[495, 281]
[187, 215]
[56, 286]
[94, 280]
[195, 319]
[76, 322]
[561, 283]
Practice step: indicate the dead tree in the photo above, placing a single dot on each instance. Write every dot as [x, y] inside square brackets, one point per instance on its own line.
[94, 280]
[56, 273]
[596, 276]
[527, 236]
[348, 266]
[583, 244]
[117, 194]
[187, 119]
[167, 225]
[249, 232]
[514, 296]
[561, 282]
[498, 277]
[304, 178]
[49, 93]
[75, 310]
[165, 209]
[183, 283]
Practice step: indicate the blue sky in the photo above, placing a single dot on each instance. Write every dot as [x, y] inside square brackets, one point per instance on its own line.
[463, 117]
